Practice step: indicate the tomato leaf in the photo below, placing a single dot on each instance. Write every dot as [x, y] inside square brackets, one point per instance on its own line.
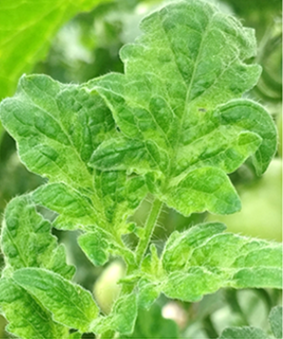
[70, 304]
[204, 259]
[178, 110]
[26, 240]
[27, 318]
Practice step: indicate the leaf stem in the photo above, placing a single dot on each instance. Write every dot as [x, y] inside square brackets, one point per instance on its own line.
[148, 230]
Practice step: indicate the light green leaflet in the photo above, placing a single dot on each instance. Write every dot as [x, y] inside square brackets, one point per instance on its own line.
[203, 259]
[27, 28]
[177, 110]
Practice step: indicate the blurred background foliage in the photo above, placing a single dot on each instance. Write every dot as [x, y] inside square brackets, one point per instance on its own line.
[88, 46]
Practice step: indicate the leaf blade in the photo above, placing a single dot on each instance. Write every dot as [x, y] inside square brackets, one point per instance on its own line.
[70, 304]
[27, 319]
[26, 240]
[203, 259]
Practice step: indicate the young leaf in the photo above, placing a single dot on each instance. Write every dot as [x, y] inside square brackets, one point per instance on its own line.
[99, 244]
[27, 319]
[243, 332]
[275, 320]
[69, 304]
[26, 240]
[189, 61]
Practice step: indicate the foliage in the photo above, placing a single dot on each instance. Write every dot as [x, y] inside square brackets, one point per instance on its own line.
[172, 127]
[28, 28]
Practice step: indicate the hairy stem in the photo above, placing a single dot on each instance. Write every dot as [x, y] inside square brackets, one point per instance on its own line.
[148, 230]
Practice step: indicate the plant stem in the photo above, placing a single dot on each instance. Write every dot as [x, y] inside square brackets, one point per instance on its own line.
[148, 230]
[209, 328]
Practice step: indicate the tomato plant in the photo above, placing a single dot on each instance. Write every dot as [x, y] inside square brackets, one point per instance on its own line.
[169, 129]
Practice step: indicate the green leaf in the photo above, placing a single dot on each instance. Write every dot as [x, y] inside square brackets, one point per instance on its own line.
[243, 332]
[26, 31]
[205, 188]
[119, 196]
[27, 319]
[219, 260]
[204, 259]
[99, 244]
[76, 210]
[249, 115]
[41, 117]
[150, 324]
[26, 240]
[57, 128]
[275, 320]
[96, 245]
[122, 317]
[180, 246]
[69, 304]
[188, 62]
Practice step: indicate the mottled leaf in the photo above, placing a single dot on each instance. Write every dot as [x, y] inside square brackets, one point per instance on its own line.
[205, 188]
[27, 318]
[26, 240]
[69, 304]
[57, 127]
[204, 259]
[188, 62]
